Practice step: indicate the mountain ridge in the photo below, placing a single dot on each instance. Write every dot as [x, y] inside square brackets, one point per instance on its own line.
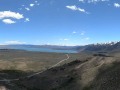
[113, 46]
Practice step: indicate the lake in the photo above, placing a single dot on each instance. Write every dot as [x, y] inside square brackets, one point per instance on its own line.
[38, 49]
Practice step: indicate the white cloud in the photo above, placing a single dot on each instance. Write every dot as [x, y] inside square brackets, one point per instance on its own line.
[82, 1]
[74, 32]
[72, 7]
[8, 21]
[65, 39]
[87, 38]
[75, 8]
[36, 1]
[82, 10]
[28, 9]
[9, 14]
[82, 33]
[14, 42]
[31, 5]
[6, 16]
[117, 5]
[27, 20]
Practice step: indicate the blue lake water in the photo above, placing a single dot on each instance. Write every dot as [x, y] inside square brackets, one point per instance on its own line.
[40, 49]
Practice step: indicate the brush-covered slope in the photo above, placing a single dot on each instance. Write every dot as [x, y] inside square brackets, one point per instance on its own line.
[93, 73]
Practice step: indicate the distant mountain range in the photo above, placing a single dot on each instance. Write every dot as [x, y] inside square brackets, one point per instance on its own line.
[105, 47]
[111, 46]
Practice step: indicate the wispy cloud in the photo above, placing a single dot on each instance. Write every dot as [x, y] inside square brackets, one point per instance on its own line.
[14, 42]
[117, 5]
[74, 32]
[82, 1]
[65, 39]
[27, 19]
[37, 3]
[87, 38]
[8, 21]
[75, 8]
[93, 1]
[82, 33]
[28, 9]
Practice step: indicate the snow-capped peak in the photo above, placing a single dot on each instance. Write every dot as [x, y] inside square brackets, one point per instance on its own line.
[107, 43]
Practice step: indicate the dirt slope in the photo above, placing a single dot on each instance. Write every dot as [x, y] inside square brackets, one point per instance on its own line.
[94, 73]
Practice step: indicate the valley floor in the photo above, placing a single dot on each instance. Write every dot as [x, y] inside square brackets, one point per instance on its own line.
[82, 71]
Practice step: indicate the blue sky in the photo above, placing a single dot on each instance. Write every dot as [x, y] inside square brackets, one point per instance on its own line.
[59, 22]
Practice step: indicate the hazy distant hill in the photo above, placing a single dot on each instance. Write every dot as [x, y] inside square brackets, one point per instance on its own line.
[40, 46]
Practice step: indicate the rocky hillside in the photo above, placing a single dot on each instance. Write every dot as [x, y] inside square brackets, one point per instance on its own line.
[100, 72]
